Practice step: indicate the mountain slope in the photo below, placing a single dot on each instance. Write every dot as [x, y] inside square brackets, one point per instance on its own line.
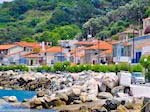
[50, 20]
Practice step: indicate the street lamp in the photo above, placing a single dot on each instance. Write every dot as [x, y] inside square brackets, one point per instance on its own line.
[129, 65]
[145, 60]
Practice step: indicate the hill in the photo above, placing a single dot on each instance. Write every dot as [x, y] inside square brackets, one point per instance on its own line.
[51, 20]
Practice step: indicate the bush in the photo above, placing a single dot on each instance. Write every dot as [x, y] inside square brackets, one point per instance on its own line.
[146, 65]
[58, 66]
[112, 68]
[14, 68]
[96, 68]
[73, 69]
[66, 63]
[44, 68]
[124, 67]
[137, 68]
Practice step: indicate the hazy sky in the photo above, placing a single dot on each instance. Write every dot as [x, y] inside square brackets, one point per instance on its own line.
[1, 1]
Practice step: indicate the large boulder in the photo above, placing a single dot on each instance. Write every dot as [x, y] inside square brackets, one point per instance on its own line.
[10, 98]
[111, 104]
[110, 80]
[121, 108]
[104, 95]
[117, 89]
[84, 97]
[35, 102]
[91, 87]
[62, 96]
[138, 103]
[40, 94]
[76, 90]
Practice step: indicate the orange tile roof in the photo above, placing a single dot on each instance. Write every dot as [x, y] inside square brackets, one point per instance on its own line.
[5, 47]
[106, 53]
[55, 49]
[32, 56]
[28, 44]
[147, 18]
[101, 45]
[85, 43]
[143, 45]
[77, 49]
[28, 53]
[79, 54]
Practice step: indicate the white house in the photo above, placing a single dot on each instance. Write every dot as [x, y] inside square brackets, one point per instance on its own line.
[9, 54]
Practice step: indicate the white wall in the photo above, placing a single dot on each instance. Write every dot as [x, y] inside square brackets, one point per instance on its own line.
[14, 50]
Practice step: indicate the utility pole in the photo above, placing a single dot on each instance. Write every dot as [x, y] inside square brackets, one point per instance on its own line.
[133, 46]
[98, 51]
[61, 58]
[75, 55]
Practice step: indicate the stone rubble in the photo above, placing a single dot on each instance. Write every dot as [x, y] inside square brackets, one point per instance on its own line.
[56, 90]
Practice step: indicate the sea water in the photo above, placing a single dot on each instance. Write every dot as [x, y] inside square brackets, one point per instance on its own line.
[21, 95]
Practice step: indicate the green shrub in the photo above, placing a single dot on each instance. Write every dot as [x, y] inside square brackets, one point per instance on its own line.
[146, 65]
[124, 67]
[96, 68]
[44, 68]
[104, 68]
[66, 63]
[81, 68]
[88, 67]
[73, 69]
[112, 68]
[17, 67]
[59, 66]
[137, 68]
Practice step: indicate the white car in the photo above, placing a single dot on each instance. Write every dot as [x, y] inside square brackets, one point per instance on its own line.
[138, 78]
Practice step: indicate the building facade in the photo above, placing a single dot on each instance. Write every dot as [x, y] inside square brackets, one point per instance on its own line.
[129, 51]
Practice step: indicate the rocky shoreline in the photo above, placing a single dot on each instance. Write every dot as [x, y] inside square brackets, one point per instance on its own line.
[71, 92]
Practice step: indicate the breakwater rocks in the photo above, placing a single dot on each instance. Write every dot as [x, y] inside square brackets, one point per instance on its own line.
[86, 91]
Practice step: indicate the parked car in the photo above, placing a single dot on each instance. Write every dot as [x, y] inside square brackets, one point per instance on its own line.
[138, 78]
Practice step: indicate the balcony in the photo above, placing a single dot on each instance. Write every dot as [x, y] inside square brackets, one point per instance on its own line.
[122, 59]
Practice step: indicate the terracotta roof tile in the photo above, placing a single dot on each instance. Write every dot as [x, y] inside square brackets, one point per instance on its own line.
[79, 54]
[55, 49]
[32, 56]
[5, 47]
[106, 53]
[147, 18]
[85, 43]
[77, 49]
[28, 44]
[101, 45]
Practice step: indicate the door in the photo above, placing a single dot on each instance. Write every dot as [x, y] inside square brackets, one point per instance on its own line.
[138, 56]
[31, 62]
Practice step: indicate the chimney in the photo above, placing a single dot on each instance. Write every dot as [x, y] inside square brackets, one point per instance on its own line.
[43, 45]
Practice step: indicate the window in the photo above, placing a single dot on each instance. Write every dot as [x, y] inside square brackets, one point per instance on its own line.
[52, 61]
[122, 51]
[24, 48]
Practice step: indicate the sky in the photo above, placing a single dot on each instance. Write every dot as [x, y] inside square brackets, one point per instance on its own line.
[1, 1]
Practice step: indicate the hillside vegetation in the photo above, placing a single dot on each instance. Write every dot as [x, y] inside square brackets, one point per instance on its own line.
[52, 20]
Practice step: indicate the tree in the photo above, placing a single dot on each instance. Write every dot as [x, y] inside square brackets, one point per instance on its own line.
[67, 32]
[145, 62]
[49, 37]
[28, 39]
[147, 13]
[19, 7]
